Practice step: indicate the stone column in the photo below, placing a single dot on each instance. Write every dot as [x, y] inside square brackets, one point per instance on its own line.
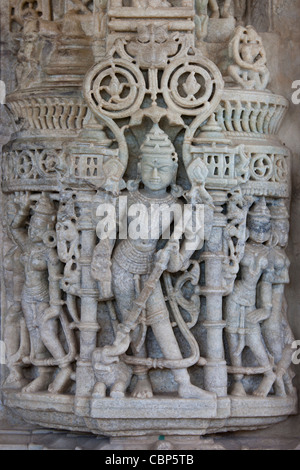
[215, 372]
[89, 301]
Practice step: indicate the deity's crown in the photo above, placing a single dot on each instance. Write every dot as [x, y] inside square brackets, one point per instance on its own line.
[279, 211]
[44, 206]
[260, 210]
[157, 144]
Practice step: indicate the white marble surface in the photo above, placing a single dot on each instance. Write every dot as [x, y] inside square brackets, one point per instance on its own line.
[286, 435]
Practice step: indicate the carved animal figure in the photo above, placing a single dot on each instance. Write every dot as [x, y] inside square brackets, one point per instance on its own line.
[116, 376]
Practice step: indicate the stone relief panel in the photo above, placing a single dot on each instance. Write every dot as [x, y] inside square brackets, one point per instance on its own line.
[147, 201]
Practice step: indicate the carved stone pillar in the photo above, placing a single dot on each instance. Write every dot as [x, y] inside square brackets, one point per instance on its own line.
[215, 371]
[124, 115]
[88, 325]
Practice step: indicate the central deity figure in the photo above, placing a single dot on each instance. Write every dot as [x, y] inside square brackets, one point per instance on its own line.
[133, 263]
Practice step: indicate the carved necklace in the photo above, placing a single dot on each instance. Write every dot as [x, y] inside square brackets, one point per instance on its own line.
[148, 201]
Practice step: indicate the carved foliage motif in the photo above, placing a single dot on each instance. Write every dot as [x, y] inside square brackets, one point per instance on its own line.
[190, 84]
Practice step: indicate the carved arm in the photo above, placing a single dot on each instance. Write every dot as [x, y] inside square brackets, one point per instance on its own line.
[55, 275]
[263, 313]
[17, 227]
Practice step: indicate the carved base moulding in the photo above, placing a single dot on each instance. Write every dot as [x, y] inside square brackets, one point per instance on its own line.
[134, 417]
[124, 115]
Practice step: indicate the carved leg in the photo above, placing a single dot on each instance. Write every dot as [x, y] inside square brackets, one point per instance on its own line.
[273, 335]
[266, 385]
[38, 350]
[143, 387]
[279, 387]
[233, 340]
[49, 335]
[215, 9]
[254, 341]
[226, 12]
[99, 390]
[61, 381]
[118, 390]
[139, 3]
[239, 10]
[125, 293]
[201, 7]
[13, 340]
[283, 383]
[41, 383]
[288, 382]
[165, 337]
[31, 310]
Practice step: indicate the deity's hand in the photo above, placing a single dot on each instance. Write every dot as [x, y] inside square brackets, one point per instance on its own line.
[199, 195]
[51, 313]
[112, 186]
[175, 261]
[110, 354]
[23, 200]
[107, 356]
[249, 200]
[105, 290]
[257, 316]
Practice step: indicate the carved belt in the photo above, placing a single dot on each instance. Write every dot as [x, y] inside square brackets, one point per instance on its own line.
[133, 260]
[39, 293]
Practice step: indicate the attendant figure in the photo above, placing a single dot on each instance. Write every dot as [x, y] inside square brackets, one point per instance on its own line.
[247, 307]
[41, 295]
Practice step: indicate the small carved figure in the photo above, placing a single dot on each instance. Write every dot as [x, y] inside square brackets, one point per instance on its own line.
[27, 68]
[276, 330]
[72, 20]
[41, 295]
[115, 376]
[15, 334]
[246, 307]
[201, 19]
[216, 10]
[248, 55]
[147, 46]
[202, 15]
[235, 234]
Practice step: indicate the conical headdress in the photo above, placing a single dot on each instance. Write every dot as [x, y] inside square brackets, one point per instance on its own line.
[44, 213]
[157, 144]
[44, 206]
[260, 210]
[279, 211]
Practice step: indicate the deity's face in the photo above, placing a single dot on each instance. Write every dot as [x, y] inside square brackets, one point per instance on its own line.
[259, 230]
[281, 229]
[158, 173]
[250, 52]
[37, 229]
